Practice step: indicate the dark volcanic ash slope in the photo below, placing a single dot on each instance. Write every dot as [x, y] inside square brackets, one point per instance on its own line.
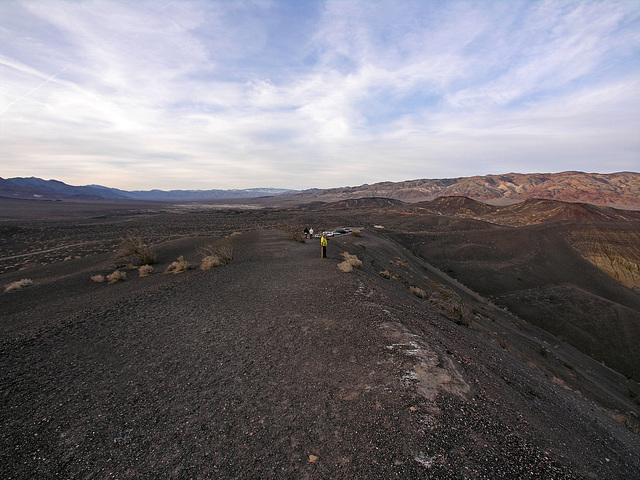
[539, 259]
[279, 365]
[536, 274]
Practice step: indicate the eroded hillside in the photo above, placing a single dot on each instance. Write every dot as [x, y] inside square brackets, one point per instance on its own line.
[602, 189]
[616, 251]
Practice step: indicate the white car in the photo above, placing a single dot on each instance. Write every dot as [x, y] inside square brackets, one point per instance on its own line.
[328, 234]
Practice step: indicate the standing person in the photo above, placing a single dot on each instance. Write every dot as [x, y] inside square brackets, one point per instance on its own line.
[306, 232]
[311, 232]
[323, 242]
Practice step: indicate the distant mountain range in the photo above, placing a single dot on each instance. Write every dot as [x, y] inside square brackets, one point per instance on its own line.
[614, 189]
[33, 188]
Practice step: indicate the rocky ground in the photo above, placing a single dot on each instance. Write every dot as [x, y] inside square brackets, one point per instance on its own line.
[280, 365]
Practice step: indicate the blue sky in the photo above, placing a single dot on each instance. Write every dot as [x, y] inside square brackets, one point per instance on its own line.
[301, 94]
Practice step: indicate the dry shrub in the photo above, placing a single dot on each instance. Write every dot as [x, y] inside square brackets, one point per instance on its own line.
[25, 282]
[386, 274]
[352, 260]
[135, 250]
[222, 249]
[346, 267]
[145, 270]
[418, 292]
[209, 262]
[116, 276]
[451, 304]
[179, 266]
[98, 278]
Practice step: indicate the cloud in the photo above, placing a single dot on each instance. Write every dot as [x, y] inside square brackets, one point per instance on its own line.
[310, 94]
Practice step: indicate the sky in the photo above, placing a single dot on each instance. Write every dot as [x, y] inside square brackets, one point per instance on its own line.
[315, 94]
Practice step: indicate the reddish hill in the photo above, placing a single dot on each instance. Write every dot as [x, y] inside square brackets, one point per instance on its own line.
[529, 212]
[602, 189]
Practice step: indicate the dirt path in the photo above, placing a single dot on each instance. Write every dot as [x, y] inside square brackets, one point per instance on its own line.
[275, 366]
[38, 252]
[258, 369]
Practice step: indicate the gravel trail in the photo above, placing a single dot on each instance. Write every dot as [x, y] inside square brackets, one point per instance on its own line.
[277, 365]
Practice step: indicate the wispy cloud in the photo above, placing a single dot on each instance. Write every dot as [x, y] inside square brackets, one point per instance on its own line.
[300, 94]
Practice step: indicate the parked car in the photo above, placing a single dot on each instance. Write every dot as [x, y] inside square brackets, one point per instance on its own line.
[340, 231]
[328, 234]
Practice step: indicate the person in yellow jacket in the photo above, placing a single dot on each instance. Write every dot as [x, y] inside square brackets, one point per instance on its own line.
[323, 242]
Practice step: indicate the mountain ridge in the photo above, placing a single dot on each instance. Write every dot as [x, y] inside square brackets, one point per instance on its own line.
[38, 189]
[621, 188]
[609, 189]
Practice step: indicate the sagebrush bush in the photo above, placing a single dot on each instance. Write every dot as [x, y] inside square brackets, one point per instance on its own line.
[209, 262]
[179, 266]
[222, 249]
[385, 274]
[451, 304]
[353, 260]
[418, 292]
[145, 270]
[135, 250]
[116, 276]
[25, 282]
[346, 267]
[98, 278]
[349, 262]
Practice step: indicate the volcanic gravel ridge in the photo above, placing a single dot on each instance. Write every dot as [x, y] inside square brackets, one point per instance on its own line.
[279, 365]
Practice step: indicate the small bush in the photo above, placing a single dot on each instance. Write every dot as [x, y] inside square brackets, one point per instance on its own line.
[25, 282]
[179, 266]
[356, 234]
[209, 262]
[451, 304]
[352, 260]
[418, 292]
[145, 270]
[345, 267]
[222, 249]
[116, 276]
[385, 274]
[98, 278]
[134, 249]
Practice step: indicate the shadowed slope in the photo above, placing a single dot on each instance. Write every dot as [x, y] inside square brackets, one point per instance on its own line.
[534, 271]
